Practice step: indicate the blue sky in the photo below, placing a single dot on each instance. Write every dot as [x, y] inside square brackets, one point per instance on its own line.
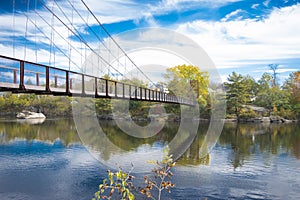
[239, 35]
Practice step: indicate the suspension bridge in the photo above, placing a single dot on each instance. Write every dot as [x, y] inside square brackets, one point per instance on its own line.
[69, 70]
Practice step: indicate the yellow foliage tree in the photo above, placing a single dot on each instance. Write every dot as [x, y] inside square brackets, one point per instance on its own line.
[183, 77]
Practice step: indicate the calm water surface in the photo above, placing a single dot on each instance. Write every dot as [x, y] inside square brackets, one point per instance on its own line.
[48, 161]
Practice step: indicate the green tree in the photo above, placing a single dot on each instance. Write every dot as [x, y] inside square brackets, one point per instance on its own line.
[263, 97]
[2, 102]
[240, 91]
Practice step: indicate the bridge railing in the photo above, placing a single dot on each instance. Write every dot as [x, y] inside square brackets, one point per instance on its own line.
[10, 73]
[25, 77]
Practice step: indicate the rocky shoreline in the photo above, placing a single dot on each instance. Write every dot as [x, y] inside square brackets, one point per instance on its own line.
[272, 119]
[176, 118]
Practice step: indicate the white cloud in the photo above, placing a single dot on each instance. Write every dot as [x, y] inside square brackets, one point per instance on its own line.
[232, 14]
[254, 6]
[229, 42]
[9, 75]
[215, 3]
[266, 3]
[110, 11]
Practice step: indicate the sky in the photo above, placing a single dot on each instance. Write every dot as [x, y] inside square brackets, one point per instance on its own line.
[238, 35]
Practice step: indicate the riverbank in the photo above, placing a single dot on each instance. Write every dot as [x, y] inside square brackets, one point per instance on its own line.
[177, 118]
[166, 117]
[272, 119]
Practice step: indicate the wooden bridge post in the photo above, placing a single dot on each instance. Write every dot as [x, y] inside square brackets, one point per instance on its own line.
[22, 86]
[55, 81]
[106, 87]
[129, 91]
[82, 85]
[96, 87]
[116, 90]
[47, 80]
[123, 90]
[37, 79]
[15, 76]
[71, 84]
[153, 95]
[67, 83]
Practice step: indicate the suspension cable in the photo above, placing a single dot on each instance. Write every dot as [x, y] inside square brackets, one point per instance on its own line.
[50, 40]
[35, 32]
[13, 42]
[86, 23]
[59, 35]
[78, 36]
[51, 36]
[25, 46]
[70, 49]
[116, 42]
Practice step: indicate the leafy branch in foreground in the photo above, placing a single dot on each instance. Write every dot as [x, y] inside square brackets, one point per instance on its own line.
[162, 176]
[122, 182]
[119, 181]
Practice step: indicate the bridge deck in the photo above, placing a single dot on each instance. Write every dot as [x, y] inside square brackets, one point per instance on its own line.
[26, 77]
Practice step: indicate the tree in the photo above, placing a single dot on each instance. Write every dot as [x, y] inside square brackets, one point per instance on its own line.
[270, 95]
[2, 102]
[240, 91]
[292, 86]
[251, 87]
[274, 68]
[263, 97]
[182, 77]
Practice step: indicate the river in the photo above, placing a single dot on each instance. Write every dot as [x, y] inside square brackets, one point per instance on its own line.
[49, 161]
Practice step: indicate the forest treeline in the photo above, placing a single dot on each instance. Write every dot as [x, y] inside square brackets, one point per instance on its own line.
[276, 100]
[245, 96]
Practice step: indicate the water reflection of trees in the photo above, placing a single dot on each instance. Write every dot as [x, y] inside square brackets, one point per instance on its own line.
[192, 155]
[127, 142]
[110, 140]
[246, 140]
[49, 131]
